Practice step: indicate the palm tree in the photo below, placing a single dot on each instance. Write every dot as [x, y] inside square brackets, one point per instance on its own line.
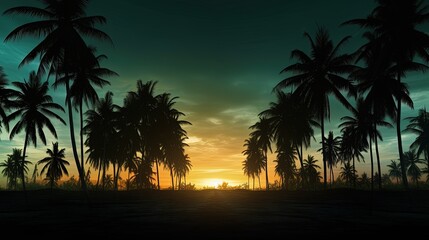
[285, 166]
[395, 170]
[100, 130]
[291, 122]
[331, 151]
[395, 27]
[87, 72]
[351, 148]
[348, 174]
[142, 177]
[262, 132]
[310, 167]
[63, 24]
[4, 99]
[412, 159]
[419, 125]
[12, 167]
[319, 75]
[34, 107]
[55, 164]
[254, 159]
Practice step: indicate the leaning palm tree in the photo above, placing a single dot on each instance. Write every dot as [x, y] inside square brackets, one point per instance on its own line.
[63, 24]
[319, 75]
[395, 170]
[395, 26]
[419, 125]
[262, 132]
[34, 106]
[55, 164]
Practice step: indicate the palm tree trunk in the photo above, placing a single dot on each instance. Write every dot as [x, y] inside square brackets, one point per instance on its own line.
[354, 173]
[157, 173]
[266, 171]
[248, 182]
[253, 183]
[23, 162]
[322, 127]
[372, 163]
[98, 178]
[259, 180]
[72, 137]
[301, 163]
[172, 177]
[114, 175]
[398, 133]
[81, 139]
[378, 157]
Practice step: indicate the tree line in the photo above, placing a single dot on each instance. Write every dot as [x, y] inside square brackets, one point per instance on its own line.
[143, 134]
[369, 82]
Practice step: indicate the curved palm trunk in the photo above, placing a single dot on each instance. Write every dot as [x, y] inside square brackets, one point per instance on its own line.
[23, 162]
[72, 137]
[398, 133]
[378, 158]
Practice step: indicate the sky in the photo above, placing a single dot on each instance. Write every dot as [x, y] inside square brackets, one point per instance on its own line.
[222, 58]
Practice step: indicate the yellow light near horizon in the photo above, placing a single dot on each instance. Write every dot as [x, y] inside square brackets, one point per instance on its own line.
[212, 182]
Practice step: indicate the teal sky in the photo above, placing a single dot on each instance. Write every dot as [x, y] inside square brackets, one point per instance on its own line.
[222, 58]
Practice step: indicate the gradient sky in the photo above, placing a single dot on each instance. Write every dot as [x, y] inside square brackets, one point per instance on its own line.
[222, 58]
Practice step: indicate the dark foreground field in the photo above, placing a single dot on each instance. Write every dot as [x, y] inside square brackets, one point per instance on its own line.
[210, 213]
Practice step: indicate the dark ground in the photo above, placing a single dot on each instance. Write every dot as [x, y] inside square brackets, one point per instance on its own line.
[211, 214]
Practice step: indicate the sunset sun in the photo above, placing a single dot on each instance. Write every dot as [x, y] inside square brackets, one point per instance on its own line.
[213, 182]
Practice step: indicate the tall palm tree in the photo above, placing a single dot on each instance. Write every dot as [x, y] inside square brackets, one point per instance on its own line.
[34, 107]
[262, 132]
[413, 170]
[86, 73]
[395, 26]
[291, 122]
[100, 130]
[419, 125]
[351, 148]
[348, 174]
[332, 152]
[395, 170]
[62, 25]
[55, 164]
[254, 159]
[319, 75]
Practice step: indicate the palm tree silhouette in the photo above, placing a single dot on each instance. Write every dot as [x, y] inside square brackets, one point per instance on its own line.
[310, 167]
[34, 107]
[348, 174]
[63, 24]
[412, 159]
[4, 99]
[254, 159]
[142, 177]
[13, 167]
[395, 170]
[55, 164]
[291, 123]
[419, 125]
[285, 166]
[86, 73]
[395, 27]
[262, 132]
[331, 150]
[319, 75]
[351, 148]
[100, 124]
